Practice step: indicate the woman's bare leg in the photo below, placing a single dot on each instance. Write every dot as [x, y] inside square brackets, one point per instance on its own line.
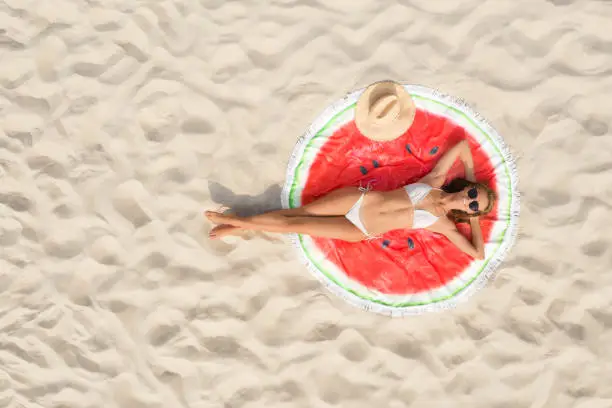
[336, 227]
[226, 229]
[337, 202]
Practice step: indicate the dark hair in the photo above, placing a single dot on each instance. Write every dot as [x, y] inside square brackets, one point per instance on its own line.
[460, 184]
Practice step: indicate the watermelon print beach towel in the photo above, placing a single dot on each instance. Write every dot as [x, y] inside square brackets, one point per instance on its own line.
[403, 271]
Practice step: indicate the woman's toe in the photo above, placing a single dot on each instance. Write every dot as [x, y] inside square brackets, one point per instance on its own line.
[213, 216]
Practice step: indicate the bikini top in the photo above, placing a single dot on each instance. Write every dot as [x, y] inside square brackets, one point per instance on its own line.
[417, 192]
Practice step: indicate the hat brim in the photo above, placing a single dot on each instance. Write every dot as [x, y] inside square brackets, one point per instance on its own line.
[392, 130]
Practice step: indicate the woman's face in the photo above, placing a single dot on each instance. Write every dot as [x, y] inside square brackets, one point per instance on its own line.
[474, 199]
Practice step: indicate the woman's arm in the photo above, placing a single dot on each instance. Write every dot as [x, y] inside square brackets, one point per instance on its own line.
[477, 240]
[459, 151]
[475, 248]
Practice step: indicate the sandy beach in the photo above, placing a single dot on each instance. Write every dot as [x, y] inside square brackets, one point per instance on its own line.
[122, 121]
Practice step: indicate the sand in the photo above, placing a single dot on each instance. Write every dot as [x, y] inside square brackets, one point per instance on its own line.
[122, 120]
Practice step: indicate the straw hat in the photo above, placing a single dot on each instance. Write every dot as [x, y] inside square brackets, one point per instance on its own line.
[384, 111]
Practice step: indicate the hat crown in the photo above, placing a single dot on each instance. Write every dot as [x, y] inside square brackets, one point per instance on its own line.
[384, 108]
[384, 111]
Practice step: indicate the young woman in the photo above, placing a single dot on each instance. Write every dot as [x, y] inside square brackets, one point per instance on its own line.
[354, 214]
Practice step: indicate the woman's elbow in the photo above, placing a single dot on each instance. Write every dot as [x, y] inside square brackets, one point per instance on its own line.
[475, 253]
[463, 145]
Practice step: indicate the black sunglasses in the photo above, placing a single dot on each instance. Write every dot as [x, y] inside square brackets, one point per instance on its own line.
[473, 194]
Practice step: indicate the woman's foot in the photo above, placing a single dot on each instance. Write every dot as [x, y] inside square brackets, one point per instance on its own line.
[222, 230]
[219, 217]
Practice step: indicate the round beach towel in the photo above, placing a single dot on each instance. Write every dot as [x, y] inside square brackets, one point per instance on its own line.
[403, 271]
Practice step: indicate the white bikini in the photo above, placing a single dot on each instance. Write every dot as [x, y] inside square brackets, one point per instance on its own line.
[416, 193]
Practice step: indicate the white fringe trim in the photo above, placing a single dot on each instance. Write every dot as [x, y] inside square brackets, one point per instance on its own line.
[493, 263]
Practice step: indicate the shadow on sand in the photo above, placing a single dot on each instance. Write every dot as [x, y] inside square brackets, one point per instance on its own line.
[246, 205]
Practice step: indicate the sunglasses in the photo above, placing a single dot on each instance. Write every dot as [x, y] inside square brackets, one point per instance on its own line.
[473, 194]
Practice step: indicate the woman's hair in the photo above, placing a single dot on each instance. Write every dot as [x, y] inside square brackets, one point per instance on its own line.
[459, 184]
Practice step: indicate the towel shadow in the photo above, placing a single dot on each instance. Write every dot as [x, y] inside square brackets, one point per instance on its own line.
[245, 205]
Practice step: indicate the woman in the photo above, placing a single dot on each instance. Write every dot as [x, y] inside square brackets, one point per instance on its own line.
[354, 214]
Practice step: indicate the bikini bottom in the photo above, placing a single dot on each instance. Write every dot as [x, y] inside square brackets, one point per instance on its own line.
[354, 214]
